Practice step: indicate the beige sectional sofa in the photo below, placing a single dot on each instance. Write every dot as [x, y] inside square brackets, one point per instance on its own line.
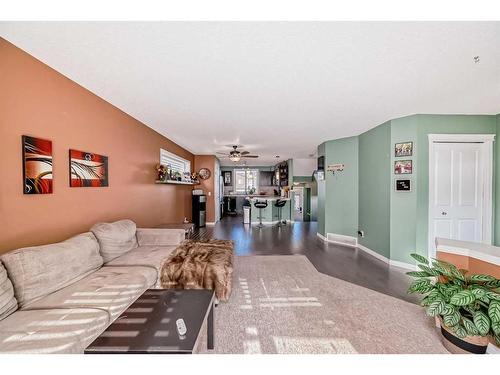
[58, 298]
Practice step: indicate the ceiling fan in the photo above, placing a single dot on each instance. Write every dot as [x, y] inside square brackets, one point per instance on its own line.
[236, 155]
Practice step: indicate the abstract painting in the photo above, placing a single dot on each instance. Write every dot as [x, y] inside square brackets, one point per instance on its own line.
[87, 169]
[37, 165]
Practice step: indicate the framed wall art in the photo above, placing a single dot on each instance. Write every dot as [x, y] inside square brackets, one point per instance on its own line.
[402, 185]
[403, 167]
[228, 178]
[403, 149]
[37, 165]
[87, 169]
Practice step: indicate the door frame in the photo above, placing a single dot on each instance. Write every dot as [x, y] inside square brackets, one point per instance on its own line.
[487, 153]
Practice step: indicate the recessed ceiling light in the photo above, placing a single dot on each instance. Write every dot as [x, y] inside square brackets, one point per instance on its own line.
[277, 156]
[476, 59]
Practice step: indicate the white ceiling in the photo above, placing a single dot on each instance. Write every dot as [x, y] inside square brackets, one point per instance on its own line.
[279, 88]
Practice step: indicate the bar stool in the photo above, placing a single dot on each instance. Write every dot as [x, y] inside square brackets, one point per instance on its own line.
[260, 205]
[279, 204]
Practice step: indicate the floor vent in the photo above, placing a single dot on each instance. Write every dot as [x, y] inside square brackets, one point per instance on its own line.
[340, 239]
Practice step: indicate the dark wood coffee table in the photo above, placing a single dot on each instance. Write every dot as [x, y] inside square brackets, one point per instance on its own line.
[148, 325]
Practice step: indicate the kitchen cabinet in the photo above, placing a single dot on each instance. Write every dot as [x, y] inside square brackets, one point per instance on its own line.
[266, 178]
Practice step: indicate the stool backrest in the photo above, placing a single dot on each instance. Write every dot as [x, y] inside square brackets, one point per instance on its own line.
[280, 203]
[260, 204]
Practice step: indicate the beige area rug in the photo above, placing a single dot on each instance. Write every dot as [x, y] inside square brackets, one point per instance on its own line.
[282, 304]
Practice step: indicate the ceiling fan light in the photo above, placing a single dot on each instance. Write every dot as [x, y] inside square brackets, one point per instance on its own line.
[235, 158]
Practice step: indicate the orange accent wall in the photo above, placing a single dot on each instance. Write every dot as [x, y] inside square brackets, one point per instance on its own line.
[36, 100]
[208, 185]
[474, 265]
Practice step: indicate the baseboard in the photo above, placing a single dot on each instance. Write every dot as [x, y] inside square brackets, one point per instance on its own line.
[373, 253]
[339, 239]
[408, 266]
[390, 262]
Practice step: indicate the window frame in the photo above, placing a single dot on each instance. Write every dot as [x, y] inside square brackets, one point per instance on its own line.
[169, 158]
[246, 171]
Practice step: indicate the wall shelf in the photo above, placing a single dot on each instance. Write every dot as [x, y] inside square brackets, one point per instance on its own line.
[173, 182]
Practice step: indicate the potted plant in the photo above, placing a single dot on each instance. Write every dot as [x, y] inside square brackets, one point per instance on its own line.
[161, 170]
[467, 306]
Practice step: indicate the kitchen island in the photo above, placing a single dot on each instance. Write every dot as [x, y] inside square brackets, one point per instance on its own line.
[270, 213]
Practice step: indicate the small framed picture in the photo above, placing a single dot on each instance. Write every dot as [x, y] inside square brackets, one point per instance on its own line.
[403, 149]
[402, 185]
[227, 176]
[403, 167]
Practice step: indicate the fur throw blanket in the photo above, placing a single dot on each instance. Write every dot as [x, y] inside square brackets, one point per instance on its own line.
[200, 265]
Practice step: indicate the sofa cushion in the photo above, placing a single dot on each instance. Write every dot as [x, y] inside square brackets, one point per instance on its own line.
[147, 256]
[8, 303]
[40, 270]
[115, 238]
[51, 331]
[160, 237]
[111, 289]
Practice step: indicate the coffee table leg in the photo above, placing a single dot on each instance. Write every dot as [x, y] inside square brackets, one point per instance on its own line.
[210, 328]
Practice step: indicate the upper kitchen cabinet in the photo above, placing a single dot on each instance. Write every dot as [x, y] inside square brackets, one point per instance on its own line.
[266, 178]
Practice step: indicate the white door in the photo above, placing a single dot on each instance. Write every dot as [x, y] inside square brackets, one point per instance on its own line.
[298, 203]
[456, 195]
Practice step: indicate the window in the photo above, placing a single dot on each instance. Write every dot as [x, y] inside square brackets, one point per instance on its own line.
[175, 162]
[246, 181]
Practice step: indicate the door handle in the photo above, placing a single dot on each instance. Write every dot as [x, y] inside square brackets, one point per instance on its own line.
[444, 213]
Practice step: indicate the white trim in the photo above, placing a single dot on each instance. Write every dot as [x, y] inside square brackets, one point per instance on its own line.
[486, 253]
[210, 223]
[340, 236]
[321, 236]
[466, 138]
[342, 239]
[373, 253]
[487, 151]
[397, 263]
[390, 262]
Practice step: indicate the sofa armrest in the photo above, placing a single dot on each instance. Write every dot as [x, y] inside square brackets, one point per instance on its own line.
[161, 237]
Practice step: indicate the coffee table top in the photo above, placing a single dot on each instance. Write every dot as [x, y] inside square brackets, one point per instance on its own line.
[148, 325]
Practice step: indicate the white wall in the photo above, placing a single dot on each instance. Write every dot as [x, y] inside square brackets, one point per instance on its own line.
[304, 167]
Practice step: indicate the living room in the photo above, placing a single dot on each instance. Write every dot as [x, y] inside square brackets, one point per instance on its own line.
[251, 187]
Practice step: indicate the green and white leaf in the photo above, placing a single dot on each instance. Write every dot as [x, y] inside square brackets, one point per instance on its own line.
[452, 319]
[470, 326]
[418, 274]
[495, 327]
[462, 298]
[420, 286]
[436, 308]
[429, 270]
[494, 311]
[419, 258]
[482, 323]
[449, 309]
[481, 278]
[493, 296]
[460, 331]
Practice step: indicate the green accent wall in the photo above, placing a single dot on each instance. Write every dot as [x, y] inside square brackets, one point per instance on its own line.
[395, 223]
[374, 189]
[496, 176]
[340, 190]
[321, 196]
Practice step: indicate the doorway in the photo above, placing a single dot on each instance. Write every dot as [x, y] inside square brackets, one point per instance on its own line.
[460, 187]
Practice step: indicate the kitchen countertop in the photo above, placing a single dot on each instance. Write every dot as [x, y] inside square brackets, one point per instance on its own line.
[268, 197]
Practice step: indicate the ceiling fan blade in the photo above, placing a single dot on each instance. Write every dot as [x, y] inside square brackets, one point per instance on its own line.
[245, 152]
[221, 153]
[250, 156]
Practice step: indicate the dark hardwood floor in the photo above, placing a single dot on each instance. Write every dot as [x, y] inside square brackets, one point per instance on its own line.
[345, 263]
